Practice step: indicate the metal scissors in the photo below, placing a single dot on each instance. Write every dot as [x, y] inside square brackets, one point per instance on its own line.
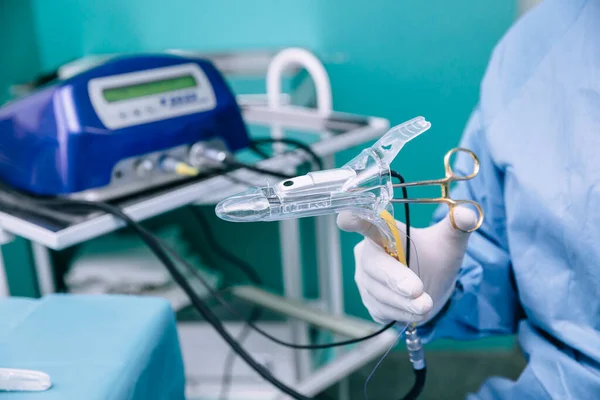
[444, 184]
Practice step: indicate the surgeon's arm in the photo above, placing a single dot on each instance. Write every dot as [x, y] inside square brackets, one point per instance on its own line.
[484, 301]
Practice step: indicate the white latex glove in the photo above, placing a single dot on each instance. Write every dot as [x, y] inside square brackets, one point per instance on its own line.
[392, 292]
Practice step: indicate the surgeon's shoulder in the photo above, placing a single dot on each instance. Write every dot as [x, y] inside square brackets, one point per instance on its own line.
[519, 53]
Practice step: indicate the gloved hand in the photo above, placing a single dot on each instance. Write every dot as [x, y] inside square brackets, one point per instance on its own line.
[392, 292]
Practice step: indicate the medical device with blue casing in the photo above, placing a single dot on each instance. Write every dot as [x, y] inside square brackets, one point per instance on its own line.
[103, 133]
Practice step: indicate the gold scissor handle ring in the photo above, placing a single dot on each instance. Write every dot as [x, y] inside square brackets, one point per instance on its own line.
[457, 203]
[448, 166]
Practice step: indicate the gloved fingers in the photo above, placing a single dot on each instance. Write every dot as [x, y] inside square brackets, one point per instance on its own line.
[349, 222]
[384, 314]
[421, 305]
[382, 268]
[370, 303]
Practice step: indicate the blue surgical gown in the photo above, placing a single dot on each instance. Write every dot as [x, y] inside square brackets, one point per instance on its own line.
[534, 266]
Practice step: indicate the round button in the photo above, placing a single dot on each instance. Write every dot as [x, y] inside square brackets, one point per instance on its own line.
[137, 112]
[150, 109]
[122, 115]
[144, 168]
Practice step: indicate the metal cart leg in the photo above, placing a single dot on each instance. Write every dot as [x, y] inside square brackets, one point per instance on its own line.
[344, 389]
[5, 238]
[331, 284]
[4, 290]
[289, 233]
[43, 268]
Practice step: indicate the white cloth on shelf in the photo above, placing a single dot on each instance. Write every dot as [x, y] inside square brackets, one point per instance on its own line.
[122, 263]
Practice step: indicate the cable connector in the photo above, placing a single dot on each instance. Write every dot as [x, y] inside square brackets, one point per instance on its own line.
[212, 154]
[170, 164]
[415, 348]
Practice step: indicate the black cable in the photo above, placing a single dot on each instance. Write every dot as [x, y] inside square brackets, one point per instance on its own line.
[420, 374]
[415, 391]
[259, 151]
[156, 247]
[230, 359]
[217, 296]
[255, 312]
[306, 148]
[324, 345]
[32, 210]
[258, 329]
[232, 162]
[219, 250]
[250, 273]
[44, 79]
[235, 180]
[406, 213]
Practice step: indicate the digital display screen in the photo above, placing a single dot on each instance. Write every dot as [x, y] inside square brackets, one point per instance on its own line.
[148, 88]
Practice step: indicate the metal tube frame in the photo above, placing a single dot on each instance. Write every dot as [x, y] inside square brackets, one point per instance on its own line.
[5, 238]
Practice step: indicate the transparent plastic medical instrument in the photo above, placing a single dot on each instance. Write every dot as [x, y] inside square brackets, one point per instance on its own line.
[362, 186]
[23, 380]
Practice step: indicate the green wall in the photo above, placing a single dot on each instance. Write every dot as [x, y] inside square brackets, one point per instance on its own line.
[390, 58]
[18, 44]
[19, 61]
[71, 28]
